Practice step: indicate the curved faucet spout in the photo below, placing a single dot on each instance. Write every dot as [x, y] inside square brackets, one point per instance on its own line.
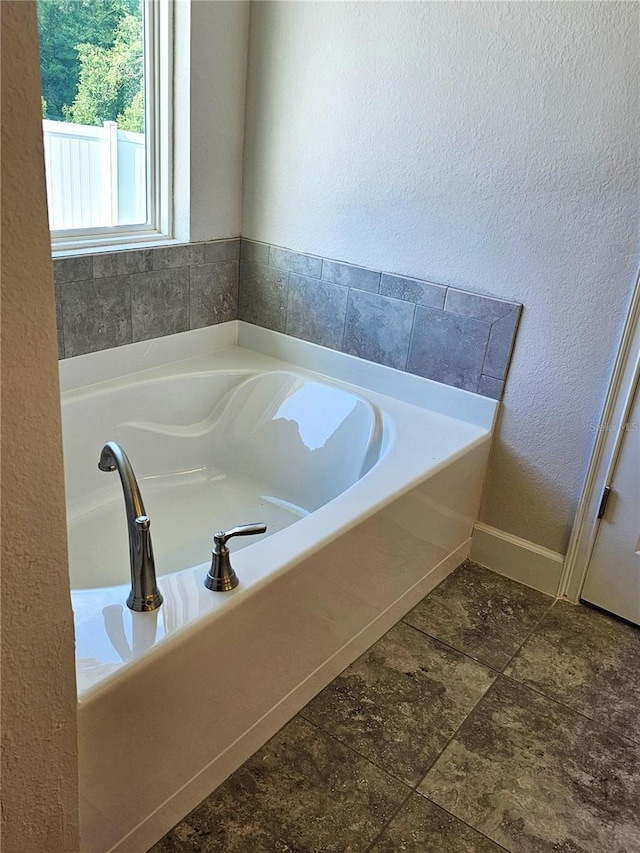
[144, 593]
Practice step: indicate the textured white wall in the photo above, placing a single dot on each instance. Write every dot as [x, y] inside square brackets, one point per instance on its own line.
[218, 50]
[490, 146]
[38, 709]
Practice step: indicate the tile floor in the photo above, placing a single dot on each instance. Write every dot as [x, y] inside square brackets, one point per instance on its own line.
[488, 719]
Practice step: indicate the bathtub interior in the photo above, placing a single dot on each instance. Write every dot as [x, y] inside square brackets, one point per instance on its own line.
[210, 451]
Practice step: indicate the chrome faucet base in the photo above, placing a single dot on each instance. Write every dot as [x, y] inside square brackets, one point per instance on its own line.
[221, 577]
[144, 605]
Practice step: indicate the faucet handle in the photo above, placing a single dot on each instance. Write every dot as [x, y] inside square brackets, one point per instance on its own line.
[220, 538]
[221, 577]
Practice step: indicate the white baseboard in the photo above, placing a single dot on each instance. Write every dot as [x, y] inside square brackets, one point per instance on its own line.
[517, 558]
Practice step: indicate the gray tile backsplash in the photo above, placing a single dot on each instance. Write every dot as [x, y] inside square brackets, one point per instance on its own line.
[221, 250]
[122, 263]
[316, 311]
[114, 298]
[213, 295]
[59, 322]
[296, 262]
[256, 252]
[96, 315]
[262, 300]
[78, 268]
[413, 290]
[159, 303]
[448, 347]
[378, 328]
[443, 333]
[174, 257]
[490, 387]
[501, 338]
[350, 276]
[476, 306]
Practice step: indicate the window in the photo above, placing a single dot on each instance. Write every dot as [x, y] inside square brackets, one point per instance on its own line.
[106, 75]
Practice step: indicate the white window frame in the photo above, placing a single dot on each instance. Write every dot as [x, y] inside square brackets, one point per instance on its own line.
[158, 78]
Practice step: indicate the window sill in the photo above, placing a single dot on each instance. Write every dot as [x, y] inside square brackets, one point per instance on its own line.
[71, 248]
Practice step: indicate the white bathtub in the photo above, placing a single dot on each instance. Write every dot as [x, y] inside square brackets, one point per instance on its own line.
[211, 449]
[369, 491]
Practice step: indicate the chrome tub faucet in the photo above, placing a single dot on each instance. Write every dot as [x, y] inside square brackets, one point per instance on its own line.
[144, 594]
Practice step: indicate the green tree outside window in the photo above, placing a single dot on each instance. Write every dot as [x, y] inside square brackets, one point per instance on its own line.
[91, 57]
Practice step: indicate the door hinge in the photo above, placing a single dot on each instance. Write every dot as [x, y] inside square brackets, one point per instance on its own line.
[604, 501]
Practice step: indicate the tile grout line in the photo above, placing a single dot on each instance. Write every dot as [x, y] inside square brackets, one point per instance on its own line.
[498, 672]
[410, 790]
[466, 654]
[447, 744]
[412, 331]
[486, 350]
[453, 648]
[435, 640]
[354, 751]
[377, 837]
[441, 753]
[133, 338]
[238, 283]
[189, 297]
[475, 709]
[431, 765]
[530, 634]
[414, 789]
[473, 828]
[596, 723]
[286, 305]
[344, 326]
[525, 684]
[58, 298]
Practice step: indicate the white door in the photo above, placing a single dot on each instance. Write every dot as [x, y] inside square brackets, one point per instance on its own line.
[613, 576]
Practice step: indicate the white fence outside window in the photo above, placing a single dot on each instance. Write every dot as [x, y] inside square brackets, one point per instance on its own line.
[96, 176]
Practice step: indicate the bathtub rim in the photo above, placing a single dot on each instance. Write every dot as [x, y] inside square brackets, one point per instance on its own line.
[83, 371]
